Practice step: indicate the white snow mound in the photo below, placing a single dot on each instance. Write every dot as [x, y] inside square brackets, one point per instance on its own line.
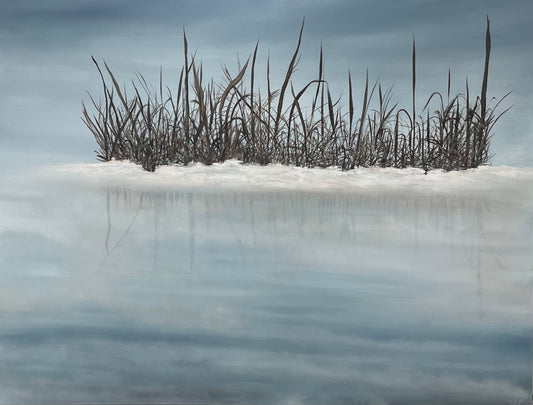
[233, 175]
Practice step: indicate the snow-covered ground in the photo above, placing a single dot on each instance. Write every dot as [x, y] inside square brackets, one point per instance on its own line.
[233, 174]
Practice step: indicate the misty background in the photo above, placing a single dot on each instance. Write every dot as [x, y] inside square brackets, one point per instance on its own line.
[46, 68]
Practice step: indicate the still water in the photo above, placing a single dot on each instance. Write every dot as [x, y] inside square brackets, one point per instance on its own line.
[117, 294]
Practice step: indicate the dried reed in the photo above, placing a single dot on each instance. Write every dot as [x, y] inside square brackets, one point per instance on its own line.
[214, 122]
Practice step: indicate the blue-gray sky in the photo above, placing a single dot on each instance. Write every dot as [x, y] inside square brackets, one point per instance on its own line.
[46, 69]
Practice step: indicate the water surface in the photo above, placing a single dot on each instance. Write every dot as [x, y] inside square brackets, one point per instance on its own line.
[120, 294]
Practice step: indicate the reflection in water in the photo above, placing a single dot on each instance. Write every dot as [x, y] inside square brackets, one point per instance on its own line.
[116, 295]
[191, 231]
[343, 220]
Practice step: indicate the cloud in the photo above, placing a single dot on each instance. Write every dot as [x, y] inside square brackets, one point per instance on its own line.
[46, 48]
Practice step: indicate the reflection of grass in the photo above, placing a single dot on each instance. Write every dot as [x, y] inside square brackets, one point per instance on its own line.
[214, 122]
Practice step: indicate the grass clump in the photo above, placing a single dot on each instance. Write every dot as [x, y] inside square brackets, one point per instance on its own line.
[214, 122]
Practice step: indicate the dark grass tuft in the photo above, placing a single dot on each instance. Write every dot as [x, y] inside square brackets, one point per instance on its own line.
[212, 122]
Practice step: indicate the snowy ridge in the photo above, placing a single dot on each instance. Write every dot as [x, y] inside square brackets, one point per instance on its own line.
[234, 175]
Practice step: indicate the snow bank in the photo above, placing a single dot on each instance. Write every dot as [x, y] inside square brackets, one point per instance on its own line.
[232, 175]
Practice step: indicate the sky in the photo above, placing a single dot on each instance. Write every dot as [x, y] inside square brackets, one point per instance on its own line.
[46, 46]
